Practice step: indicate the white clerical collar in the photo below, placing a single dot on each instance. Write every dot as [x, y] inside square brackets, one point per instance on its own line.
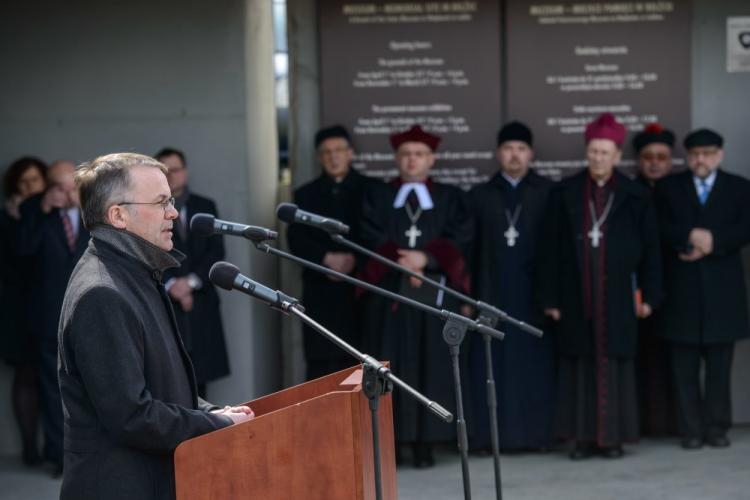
[512, 181]
[708, 181]
[420, 189]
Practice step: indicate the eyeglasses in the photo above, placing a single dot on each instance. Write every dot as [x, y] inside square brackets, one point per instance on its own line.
[165, 204]
[655, 156]
[705, 153]
[333, 151]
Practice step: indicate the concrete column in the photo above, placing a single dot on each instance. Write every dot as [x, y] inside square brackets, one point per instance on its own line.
[304, 119]
[253, 326]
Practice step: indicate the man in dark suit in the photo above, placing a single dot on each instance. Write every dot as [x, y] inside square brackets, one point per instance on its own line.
[336, 193]
[601, 247]
[705, 221]
[127, 383]
[194, 297]
[52, 236]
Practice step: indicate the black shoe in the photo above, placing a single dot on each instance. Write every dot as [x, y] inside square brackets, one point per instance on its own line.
[691, 443]
[718, 442]
[581, 451]
[612, 451]
[423, 456]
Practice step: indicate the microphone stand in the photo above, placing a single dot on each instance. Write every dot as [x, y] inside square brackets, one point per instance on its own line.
[489, 315]
[377, 380]
[454, 332]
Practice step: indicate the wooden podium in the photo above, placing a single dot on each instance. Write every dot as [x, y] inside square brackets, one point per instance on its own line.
[311, 441]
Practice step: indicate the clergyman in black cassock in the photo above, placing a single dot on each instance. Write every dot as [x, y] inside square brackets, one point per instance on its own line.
[704, 217]
[601, 248]
[194, 297]
[336, 193]
[508, 212]
[653, 147]
[426, 227]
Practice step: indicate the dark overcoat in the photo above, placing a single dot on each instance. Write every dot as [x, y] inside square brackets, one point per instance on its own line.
[128, 389]
[632, 261]
[706, 300]
[331, 303]
[41, 238]
[17, 345]
[201, 328]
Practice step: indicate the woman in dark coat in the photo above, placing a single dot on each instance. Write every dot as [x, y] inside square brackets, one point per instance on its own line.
[24, 178]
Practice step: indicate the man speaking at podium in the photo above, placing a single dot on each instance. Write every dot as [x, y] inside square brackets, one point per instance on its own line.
[128, 387]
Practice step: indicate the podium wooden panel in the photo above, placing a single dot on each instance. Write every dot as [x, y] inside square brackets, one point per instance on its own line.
[311, 441]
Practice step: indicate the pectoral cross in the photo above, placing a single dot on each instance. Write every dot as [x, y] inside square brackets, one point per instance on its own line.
[595, 236]
[413, 233]
[511, 235]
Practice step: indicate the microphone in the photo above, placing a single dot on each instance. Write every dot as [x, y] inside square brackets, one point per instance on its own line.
[207, 225]
[289, 213]
[228, 276]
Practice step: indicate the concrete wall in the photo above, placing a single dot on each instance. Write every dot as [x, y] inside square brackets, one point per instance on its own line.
[84, 78]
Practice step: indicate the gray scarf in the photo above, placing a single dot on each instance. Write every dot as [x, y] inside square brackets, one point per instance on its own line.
[133, 245]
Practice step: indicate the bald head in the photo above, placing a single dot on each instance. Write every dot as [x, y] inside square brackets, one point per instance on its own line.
[60, 169]
[61, 181]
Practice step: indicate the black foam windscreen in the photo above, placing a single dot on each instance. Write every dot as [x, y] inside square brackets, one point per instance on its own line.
[285, 212]
[222, 274]
[202, 224]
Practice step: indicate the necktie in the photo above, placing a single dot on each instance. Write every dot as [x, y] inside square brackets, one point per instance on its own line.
[703, 194]
[70, 235]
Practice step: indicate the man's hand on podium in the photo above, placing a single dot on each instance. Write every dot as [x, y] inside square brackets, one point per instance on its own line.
[238, 414]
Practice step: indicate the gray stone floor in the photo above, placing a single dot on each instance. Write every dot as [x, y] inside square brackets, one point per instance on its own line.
[652, 470]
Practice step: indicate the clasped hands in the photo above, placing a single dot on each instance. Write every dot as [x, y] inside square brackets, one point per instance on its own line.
[701, 243]
[415, 261]
[238, 414]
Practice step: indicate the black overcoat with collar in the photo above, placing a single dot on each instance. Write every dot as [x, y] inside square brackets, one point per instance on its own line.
[706, 300]
[127, 383]
[632, 261]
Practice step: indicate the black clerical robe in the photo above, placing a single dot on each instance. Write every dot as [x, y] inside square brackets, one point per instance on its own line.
[594, 287]
[331, 303]
[410, 339]
[524, 366]
[655, 393]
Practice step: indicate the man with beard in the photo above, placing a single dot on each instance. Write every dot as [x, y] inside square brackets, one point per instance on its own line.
[704, 217]
[601, 254]
[336, 193]
[508, 212]
[426, 227]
